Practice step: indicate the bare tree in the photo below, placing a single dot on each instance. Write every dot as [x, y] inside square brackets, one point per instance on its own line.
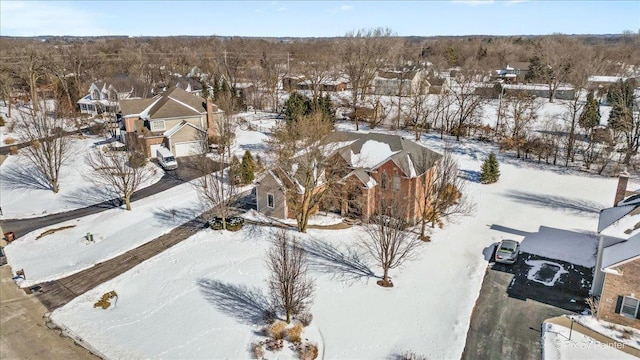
[362, 54]
[554, 61]
[468, 106]
[49, 146]
[519, 112]
[290, 288]
[443, 191]
[121, 171]
[386, 239]
[421, 108]
[302, 157]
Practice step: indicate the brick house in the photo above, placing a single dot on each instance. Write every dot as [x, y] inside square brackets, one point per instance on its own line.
[176, 119]
[617, 272]
[369, 167]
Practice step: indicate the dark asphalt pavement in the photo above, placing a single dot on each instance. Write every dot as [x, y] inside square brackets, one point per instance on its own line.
[186, 172]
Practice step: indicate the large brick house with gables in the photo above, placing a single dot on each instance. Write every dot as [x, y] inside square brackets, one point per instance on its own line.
[617, 273]
[370, 167]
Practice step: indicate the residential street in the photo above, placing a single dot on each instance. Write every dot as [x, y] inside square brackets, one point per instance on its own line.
[184, 173]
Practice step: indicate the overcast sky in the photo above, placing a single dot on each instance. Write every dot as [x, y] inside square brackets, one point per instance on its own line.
[316, 18]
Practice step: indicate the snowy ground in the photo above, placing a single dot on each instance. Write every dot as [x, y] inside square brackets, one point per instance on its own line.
[24, 195]
[204, 294]
[610, 330]
[557, 345]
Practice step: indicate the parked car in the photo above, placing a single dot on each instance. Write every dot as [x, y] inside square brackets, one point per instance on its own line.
[166, 159]
[507, 251]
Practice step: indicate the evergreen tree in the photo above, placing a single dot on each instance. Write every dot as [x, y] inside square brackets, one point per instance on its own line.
[297, 106]
[490, 170]
[590, 116]
[248, 168]
[235, 171]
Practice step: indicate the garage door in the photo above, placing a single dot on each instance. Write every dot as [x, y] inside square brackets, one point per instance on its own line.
[188, 148]
[153, 149]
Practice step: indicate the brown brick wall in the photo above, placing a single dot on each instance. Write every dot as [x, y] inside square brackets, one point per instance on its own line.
[627, 284]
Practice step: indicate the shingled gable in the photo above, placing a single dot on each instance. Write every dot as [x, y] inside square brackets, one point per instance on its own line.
[176, 102]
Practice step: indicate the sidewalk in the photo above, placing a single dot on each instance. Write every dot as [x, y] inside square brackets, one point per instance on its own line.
[566, 322]
[23, 331]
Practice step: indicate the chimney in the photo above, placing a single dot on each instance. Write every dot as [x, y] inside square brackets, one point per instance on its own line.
[623, 179]
[211, 126]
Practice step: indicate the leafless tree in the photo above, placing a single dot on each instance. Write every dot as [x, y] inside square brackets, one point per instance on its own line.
[468, 106]
[302, 156]
[555, 58]
[116, 171]
[49, 146]
[386, 239]
[290, 287]
[519, 112]
[362, 54]
[421, 108]
[443, 192]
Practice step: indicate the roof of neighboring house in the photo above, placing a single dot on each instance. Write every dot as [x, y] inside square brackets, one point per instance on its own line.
[136, 106]
[521, 65]
[621, 221]
[622, 252]
[174, 130]
[436, 81]
[396, 74]
[176, 102]
[606, 79]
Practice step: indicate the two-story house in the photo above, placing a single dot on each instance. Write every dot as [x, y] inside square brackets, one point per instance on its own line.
[369, 166]
[182, 122]
[101, 98]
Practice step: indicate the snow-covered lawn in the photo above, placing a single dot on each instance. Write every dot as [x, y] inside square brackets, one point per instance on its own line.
[66, 251]
[201, 298]
[556, 345]
[23, 194]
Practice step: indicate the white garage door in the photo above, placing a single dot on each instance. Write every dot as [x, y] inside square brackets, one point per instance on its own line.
[188, 148]
[153, 149]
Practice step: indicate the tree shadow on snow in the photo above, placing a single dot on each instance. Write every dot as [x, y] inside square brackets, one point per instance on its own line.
[176, 216]
[556, 202]
[24, 177]
[345, 265]
[470, 175]
[95, 196]
[247, 305]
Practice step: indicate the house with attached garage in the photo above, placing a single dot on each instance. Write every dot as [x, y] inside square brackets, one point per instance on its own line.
[368, 167]
[180, 121]
[617, 273]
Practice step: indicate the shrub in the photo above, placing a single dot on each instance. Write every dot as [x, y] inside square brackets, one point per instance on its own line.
[305, 318]
[234, 223]
[309, 352]
[410, 355]
[276, 330]
[490, 170]
[626, 333]
[274, 345]
[258, 351]
[104, 301]
[13, 150]
[137, 160]
[96, 129]
[9, 140]
[294, 333]
[2, 123]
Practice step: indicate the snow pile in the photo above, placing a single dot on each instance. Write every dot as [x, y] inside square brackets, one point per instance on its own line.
[371, 154]
[557, 345]
[541, 271]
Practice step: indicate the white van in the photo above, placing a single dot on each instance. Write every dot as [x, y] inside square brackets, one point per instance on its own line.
[166, 159]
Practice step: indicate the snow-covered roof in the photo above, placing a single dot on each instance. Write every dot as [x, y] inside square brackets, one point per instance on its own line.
[372, 153]
[622, 221]
[617, 254]
[606, 79]
[534, 87]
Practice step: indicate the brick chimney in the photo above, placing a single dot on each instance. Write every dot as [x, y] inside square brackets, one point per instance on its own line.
[623, 179]
[212, 132]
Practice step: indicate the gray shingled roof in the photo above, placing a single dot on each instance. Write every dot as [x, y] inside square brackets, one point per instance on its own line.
[135, 106]
[176, 102]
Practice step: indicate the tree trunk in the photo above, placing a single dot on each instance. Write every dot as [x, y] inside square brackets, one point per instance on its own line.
[127, 201]
[54, 186]
[288, 316]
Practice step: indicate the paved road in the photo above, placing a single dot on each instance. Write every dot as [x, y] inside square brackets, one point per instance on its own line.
[186, 172]
[507, 318]
[23, 332]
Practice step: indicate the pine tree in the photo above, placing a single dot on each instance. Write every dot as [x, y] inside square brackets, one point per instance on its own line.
[490, 170]
[590, 116]
[248, 168]
[235, 171]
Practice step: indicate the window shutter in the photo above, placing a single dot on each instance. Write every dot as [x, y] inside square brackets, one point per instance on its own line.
[619, 304]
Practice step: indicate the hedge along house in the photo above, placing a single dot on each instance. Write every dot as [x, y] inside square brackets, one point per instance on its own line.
[182, 122]
[617, 273]
[365, 168]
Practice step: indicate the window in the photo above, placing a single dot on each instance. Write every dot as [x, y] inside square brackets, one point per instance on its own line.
[396, 182]
[270, 200]
[629, 307]
[383, 180]
[157, 125]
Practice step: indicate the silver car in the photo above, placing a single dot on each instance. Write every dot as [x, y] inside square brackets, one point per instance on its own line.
[507, 252]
